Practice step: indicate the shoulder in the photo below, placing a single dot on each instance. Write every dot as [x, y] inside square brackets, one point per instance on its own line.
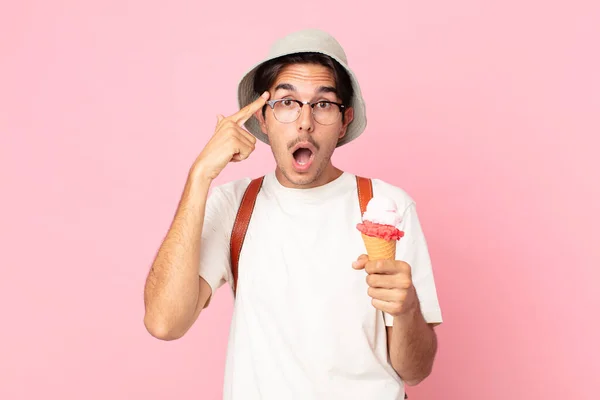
[229, 195]
[399, 195]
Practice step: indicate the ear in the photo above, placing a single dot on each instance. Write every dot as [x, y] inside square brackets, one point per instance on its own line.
[348, 117]
[261, 120]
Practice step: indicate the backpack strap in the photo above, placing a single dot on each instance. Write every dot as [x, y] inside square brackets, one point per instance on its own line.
[240, 226]
[365, 192]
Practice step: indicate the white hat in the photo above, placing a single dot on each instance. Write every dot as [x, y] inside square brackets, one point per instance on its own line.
[308, 40]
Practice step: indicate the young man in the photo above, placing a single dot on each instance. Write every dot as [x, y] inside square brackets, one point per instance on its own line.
[313, 317]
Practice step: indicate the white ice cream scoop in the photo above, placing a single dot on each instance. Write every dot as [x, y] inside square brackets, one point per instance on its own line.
[382, 210]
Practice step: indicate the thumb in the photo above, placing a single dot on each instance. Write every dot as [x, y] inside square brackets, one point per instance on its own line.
[220, 118]
[360, 262]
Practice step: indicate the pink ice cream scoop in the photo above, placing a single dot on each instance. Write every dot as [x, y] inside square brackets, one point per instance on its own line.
[381, 219]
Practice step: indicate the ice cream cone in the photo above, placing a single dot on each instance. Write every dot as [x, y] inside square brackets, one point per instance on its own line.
[380, 249]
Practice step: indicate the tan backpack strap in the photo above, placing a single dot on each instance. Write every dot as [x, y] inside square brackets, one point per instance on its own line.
[240, 226]
[365, 192]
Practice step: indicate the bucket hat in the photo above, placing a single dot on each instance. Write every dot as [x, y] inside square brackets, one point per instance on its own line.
[303, 41]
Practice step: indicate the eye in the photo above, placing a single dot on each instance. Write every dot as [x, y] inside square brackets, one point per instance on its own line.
[288, 103]
[323, 105]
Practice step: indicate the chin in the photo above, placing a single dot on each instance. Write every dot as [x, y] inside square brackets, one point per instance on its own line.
[301, 179]
[302, 165]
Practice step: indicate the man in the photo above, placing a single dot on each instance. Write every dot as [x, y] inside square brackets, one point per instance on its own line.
[313, 317]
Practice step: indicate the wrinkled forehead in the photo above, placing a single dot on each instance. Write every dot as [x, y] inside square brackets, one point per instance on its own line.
[305, 79]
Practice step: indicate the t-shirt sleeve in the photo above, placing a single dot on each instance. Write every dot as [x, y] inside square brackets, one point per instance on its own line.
[412, 249]
[214, 265]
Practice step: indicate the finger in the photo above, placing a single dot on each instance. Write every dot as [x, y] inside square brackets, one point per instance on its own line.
[383, 281]
[250, 137]
[240, 156]
[246, 138]
[241, 153]
[381, 267]
[245, 113]
[391, 295]
[242, 147]
[219, 119]
[389, 307]
[360, 262]
[229, 126]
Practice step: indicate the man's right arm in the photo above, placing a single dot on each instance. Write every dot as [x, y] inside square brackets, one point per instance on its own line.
[174, 293]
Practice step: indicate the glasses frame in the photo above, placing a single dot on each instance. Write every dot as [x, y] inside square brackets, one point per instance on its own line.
[312, 105]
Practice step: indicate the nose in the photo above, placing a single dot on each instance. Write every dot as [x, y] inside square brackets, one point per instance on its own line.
[305, 120]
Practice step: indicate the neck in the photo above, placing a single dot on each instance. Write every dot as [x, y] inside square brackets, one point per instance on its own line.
[329, 174]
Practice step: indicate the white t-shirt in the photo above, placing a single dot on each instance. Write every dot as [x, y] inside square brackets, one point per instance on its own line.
[303, 326]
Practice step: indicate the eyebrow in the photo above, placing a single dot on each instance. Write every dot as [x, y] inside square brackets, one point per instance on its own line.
[292, 88]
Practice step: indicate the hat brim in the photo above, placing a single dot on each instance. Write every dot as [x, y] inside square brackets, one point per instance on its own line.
[247, 95]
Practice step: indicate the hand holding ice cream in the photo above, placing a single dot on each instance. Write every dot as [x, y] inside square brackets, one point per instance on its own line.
[389, 280]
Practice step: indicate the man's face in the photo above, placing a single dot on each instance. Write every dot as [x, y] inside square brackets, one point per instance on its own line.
[303, 148]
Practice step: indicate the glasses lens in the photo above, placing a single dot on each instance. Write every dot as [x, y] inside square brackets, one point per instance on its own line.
[286, 111]
[326, 113]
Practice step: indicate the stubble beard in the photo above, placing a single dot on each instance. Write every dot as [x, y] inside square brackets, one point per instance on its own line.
[280, 155]
[304, 179]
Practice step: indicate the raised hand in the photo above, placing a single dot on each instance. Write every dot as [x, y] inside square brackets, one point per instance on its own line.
[230, 142]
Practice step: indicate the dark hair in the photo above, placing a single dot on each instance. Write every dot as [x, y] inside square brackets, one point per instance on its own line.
[268, 72]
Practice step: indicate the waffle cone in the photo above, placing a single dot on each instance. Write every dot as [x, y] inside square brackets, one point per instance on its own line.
[379, 249]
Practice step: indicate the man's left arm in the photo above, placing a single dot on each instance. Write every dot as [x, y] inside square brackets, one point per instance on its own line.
[412, 342]
[404, 290]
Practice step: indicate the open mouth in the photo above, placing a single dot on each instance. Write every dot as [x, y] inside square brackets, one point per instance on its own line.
[303, 155]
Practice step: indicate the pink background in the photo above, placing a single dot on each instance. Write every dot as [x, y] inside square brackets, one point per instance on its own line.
[486, 112]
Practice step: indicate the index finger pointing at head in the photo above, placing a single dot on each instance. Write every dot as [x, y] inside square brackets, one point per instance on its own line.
[245, 113]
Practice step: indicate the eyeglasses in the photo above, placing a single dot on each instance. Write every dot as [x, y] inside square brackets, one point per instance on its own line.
[323, 111]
